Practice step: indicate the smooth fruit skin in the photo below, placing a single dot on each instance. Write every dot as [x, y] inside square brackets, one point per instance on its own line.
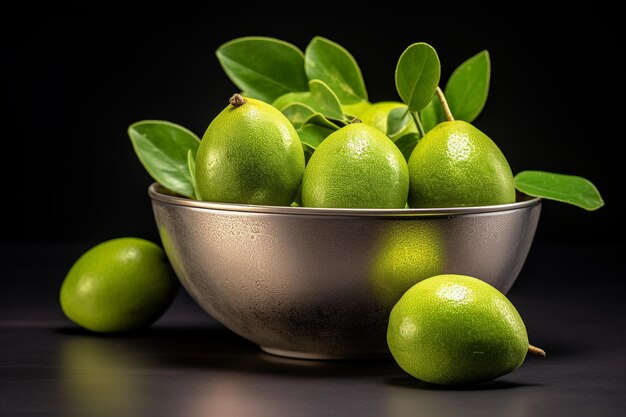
[455, 329]
[376, 116]
[119, 285]
[356, 166]
[405, 253]
[454, 165]
[356, 109]
[250, 154]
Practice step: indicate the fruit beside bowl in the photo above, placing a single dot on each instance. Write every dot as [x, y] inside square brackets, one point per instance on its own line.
[306, 212]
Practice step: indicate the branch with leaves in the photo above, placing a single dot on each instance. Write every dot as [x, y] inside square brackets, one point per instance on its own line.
[313, 89]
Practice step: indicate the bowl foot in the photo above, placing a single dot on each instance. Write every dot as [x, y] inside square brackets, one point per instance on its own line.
[321, 356]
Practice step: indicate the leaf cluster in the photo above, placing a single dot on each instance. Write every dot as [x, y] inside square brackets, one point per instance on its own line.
[312, 89]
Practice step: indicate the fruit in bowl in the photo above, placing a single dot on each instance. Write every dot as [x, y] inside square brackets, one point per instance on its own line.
[306, 212]
[320, 283]
[391, 193]
[249, 154]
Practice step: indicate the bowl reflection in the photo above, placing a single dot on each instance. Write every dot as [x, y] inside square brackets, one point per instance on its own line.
[319, 283]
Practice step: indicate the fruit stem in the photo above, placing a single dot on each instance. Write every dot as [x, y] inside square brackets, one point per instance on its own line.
[418, 123]
[237, 100]
[355, 120]
[444, 105]
[537, 351]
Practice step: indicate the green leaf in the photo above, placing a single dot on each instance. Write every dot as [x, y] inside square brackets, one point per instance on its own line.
[265, 68]
[298, 113]
[320, 120]
[328, 61]
[432, 114]
[417, 75]
[301, 97]
[312, 135]
[569, 189]
[467, 89]
[162, 147]
[308, 152]
[326, 100]
[191, 164]
[320, 98]
[407, 143]
[397, 120]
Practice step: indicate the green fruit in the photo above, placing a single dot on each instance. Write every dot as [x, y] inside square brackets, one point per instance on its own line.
[455, 164]
[407, 252]
[376, 116]
[356, 166]
[119, 285]
[250, 154]
[455, 329]
[356, 109]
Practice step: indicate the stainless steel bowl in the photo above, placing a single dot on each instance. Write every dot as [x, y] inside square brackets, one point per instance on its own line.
[320, 283]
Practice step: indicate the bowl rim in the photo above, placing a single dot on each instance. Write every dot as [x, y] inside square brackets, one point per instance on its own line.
[161, 194]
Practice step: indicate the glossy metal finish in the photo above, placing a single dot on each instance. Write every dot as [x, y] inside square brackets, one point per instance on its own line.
[319, 283]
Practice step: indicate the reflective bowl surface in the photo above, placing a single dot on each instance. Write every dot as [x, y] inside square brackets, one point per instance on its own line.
[320, 283]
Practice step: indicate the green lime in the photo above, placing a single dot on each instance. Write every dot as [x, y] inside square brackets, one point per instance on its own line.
[455, 329]
[250, 154]
[119, 285]
[455, 164]
[356, 166]
[356, 109]
[406, 253]
[376, 116]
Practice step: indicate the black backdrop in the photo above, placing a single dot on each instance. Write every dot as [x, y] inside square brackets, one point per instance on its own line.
[75, 77]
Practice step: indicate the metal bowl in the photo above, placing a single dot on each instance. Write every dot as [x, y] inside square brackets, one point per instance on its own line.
[320, 283]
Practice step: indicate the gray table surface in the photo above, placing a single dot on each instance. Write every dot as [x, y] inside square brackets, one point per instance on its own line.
[571, 297]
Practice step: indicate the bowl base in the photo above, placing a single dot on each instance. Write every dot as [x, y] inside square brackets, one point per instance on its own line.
[322, 356]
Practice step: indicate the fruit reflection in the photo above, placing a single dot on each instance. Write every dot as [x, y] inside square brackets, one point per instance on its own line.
[170, 250]
[408, 253]
[95, 377]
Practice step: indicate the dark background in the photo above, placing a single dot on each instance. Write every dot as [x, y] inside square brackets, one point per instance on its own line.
[74, 77]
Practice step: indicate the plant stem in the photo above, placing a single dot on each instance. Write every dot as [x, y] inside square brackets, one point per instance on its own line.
[237, 100]
[444, 105]
[418, 123]
[537, 351]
